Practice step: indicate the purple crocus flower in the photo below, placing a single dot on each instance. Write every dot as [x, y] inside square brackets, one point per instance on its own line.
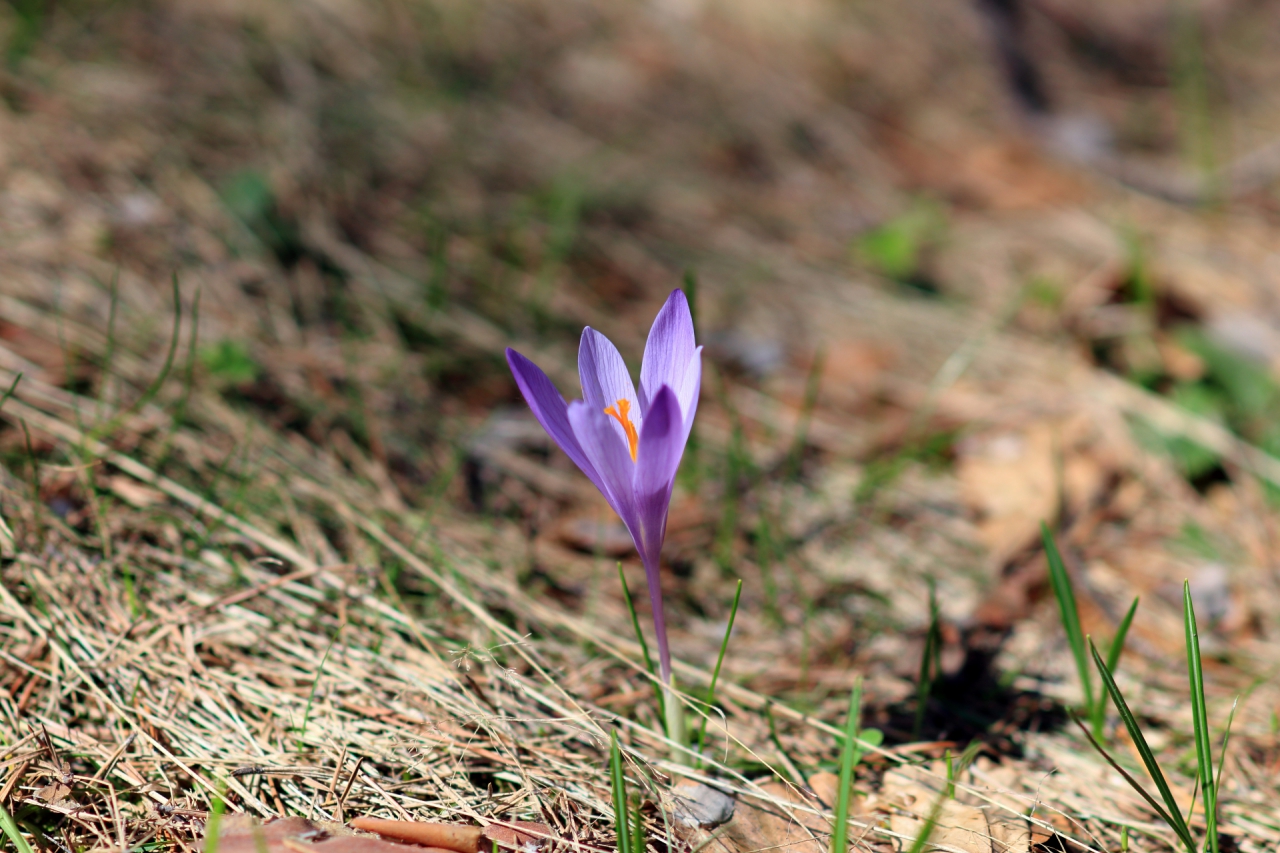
[628, 443]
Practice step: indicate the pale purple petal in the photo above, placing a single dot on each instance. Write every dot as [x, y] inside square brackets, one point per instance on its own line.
[608, 454]
[551, 411]
[668, 352]
[661, 445]
[688, 395]
[605, 378]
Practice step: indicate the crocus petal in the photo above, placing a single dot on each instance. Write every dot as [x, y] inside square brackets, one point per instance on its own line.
[605, 378]
[668, 351]
[687, 395]
[661, 445]
[608, 454]
[551, 411]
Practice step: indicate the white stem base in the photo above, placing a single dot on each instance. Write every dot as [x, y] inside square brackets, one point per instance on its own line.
[674, 711]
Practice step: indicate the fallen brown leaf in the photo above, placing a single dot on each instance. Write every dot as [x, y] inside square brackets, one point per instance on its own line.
[521, 835]
[463, 839]
[758, 825]
[913, 797]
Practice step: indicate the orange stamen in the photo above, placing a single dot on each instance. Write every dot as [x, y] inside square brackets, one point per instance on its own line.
[622, 414]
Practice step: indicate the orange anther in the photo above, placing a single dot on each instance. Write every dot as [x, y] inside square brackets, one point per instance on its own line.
[622, 414]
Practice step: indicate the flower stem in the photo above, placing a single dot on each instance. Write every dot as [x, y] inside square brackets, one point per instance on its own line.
[674, 712]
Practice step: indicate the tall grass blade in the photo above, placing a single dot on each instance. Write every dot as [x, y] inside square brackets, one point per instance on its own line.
[311, 696]
[764, 561]
[849, 756]
[690, 470]
[157, 383]
[788, 768]
[1066, 596]
[644, 647]
[1137, 786]
[1173, 816]
[922, 840]
[1098, 713]
[10, 829]
[715, 673]
[638, 840]
[929, 661]
[109, 355]
[1117, 642]
[4, 398]
[1200, 719]
[800, 441]
[188, 379]
[690, 286]
[214, 826]
[618, 781]
[1226, 739]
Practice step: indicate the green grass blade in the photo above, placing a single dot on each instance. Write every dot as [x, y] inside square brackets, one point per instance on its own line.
[928, 662]
[1117, 642]
[4, 398]
[214, 826]
[306, 711]
[764, 561]
[796, 457]
[10, 829]
[1200, 719]
[1136, 785]
[788, 769]
[849, 756]
[922, 840]
[690, 283]
[1226, 739]
[1173, 816]
[109, 356]
[619, 783]
[157, 383]
[1098, 713]
[1066, 596]
[715, 673]
[188, 379]
[638, 840]
[644, 647]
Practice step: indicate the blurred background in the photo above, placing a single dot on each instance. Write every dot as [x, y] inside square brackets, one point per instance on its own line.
[959, 267]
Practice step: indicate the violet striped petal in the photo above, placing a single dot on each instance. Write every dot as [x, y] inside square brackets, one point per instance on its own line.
[608, 454]
[551, 411]
[661, 446]
[668, 352]
[688, 396]
[606, 380]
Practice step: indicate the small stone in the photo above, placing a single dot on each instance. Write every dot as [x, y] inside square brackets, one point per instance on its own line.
[700, 805]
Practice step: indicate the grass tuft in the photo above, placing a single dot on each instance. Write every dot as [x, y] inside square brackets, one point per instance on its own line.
[1167, 808]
